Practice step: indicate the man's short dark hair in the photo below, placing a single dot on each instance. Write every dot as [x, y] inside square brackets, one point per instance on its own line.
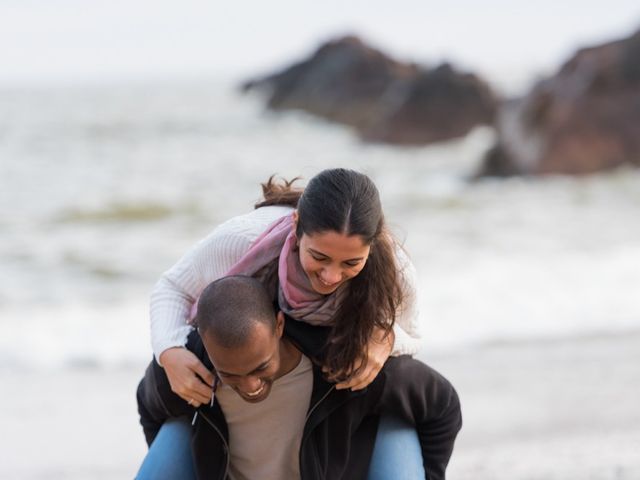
[229, 307]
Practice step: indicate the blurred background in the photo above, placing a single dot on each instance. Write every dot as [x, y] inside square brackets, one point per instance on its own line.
[506, 156]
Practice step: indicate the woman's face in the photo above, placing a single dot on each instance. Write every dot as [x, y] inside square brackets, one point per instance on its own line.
[330, 258]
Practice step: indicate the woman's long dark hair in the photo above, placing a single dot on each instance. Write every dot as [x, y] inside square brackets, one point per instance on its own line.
[348, 202]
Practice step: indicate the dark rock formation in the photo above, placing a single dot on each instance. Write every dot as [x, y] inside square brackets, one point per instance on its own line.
[584, 119]
[384, 100]
[435, 105]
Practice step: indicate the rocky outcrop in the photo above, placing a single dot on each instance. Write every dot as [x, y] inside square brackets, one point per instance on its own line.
[584, 119]
[384, 100]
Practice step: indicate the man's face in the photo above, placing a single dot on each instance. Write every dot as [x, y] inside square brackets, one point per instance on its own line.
[251, 368]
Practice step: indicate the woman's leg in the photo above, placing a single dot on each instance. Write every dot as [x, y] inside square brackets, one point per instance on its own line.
[169, 456]
[397, 452]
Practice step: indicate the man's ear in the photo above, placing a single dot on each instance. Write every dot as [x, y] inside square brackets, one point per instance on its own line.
[279, 324]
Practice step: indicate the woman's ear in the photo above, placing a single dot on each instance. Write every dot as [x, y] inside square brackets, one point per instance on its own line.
[294, 226]
[279, 324]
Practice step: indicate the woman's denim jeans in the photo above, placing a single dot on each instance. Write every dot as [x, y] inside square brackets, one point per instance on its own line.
[396, 454]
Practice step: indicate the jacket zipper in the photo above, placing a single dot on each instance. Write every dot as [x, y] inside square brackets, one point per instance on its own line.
[318, 403]
[224, 442]
[311, 410]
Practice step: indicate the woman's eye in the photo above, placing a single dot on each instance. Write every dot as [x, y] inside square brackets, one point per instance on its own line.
[352, 264]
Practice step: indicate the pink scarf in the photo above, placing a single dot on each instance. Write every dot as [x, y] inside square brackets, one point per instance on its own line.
[296, 296]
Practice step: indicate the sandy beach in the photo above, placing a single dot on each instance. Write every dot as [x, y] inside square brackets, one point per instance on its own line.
[563, 409]
[560, 409]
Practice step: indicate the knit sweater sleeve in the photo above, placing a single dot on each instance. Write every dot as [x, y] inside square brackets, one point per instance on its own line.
[178, 288]
[407, 328]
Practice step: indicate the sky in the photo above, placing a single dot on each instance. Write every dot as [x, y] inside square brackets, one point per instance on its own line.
[509, 42]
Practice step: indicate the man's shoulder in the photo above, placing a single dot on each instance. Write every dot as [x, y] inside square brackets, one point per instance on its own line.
[309, 339]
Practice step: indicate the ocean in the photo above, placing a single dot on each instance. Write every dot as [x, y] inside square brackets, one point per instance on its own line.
[102, 188]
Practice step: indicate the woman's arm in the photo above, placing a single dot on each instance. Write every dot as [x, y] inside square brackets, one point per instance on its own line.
[407, 328]
[171, 303]
[178, 289]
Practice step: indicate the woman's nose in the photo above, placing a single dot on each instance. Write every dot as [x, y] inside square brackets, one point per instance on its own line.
[331, 275]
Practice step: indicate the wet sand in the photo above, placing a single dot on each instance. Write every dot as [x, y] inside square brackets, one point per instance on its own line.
[561, 409]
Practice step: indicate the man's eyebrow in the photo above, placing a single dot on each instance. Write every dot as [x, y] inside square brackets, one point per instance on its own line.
[259, 367]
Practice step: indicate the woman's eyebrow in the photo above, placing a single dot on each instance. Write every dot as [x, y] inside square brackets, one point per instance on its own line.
[320, 254]
[316, 252]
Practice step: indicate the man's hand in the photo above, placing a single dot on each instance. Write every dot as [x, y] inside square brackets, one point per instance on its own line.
[378, 350]
[188, 376]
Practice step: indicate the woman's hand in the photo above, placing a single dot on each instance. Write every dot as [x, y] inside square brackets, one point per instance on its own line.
[188, 376]
[378, 350]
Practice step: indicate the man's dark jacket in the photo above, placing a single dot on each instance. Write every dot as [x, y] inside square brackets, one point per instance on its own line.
[340, 429]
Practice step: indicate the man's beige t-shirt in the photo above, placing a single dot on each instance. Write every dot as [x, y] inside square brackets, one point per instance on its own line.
[265, 437]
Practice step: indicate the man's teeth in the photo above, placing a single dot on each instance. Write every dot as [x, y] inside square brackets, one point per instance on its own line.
[257, 392]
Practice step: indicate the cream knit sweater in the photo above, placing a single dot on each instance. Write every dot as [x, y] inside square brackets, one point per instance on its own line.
[212, 257]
